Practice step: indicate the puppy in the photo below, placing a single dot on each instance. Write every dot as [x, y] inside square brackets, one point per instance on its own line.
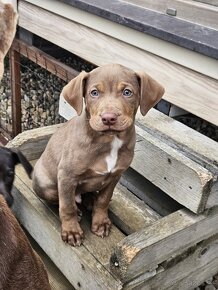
[90, 151]
[20, 266]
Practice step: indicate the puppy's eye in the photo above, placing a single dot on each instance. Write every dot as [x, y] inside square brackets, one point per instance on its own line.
[94, 93]
[127, 93]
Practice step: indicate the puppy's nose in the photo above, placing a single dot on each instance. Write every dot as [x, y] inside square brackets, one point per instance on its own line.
[109, 118]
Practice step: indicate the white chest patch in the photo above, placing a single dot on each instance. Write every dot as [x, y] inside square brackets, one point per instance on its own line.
[111, 159]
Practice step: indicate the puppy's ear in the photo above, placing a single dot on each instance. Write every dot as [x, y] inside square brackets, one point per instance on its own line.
[18, 157]
[151, 92]
[73, 92]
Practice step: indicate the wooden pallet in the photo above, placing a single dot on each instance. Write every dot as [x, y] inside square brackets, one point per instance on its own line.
[155, 242]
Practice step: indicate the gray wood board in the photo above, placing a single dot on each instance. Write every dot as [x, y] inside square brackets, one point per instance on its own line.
[158, 242]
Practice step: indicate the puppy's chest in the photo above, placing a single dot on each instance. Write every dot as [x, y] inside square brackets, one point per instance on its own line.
[105, 166]
[108, 161]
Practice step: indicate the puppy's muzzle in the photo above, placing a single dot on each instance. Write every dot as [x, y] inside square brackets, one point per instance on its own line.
[109, 119]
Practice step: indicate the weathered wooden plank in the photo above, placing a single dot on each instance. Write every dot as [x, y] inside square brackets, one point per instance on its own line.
[158, 242]
[77, 264]
[16, 91]
[153, 196]
[199, 147]
[56, 278]
[46, 61]
[183, 179]
[33, 142]
[199, 264]
[191, 91]
[187, 58]
[210, 2]
[124, 206]
[186, 9]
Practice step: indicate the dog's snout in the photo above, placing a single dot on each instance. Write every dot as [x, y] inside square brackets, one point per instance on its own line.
[109, 118]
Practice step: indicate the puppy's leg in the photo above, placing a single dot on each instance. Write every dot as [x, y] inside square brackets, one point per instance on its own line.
[71, 231]
[101, 224]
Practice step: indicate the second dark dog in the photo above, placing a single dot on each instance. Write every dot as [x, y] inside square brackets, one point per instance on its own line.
[8, 159]
[20, 266]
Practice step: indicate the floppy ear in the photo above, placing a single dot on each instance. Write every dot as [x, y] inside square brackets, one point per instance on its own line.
[151, 92]
[18, 157]
[73, 92]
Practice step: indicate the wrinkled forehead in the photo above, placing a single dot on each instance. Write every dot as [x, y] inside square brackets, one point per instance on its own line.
[110, 75]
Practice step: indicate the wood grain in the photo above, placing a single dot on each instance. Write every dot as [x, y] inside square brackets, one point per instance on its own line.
[158, 242]
[184, 88]
[124, 206]
[181, 178]
[187, 273]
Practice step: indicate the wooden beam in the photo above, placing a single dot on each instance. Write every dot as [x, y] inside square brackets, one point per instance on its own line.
[188, 271]
[15, 91]
[44, 60]
[181, 178]
[158, 242]
[185, 88]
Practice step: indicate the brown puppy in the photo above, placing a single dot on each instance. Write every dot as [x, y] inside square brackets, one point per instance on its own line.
[8, 21]
[90, 152]
[20, 266]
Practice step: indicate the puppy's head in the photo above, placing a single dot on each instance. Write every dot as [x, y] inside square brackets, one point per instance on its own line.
[112, 95]
[8, 159]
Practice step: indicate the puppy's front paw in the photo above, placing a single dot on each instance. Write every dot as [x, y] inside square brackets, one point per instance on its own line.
[72, 233]
[101, 225]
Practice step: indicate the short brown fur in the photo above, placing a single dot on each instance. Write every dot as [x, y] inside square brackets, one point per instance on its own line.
[20, 266]
[90, 152]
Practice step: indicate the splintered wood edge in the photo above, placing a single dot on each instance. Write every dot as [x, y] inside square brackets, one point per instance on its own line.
[180, 177]
[191, 269]
[156, 243]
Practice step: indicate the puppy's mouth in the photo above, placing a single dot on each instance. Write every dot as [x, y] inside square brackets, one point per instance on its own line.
[97, 125]
[111, 130]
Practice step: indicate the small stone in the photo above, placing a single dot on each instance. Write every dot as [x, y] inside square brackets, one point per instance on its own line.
[209, 280]
[209, 287]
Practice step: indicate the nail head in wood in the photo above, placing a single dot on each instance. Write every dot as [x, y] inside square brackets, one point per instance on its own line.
[171, 11]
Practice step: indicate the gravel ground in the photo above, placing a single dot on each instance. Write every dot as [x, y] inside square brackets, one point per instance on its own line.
[199, 125]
